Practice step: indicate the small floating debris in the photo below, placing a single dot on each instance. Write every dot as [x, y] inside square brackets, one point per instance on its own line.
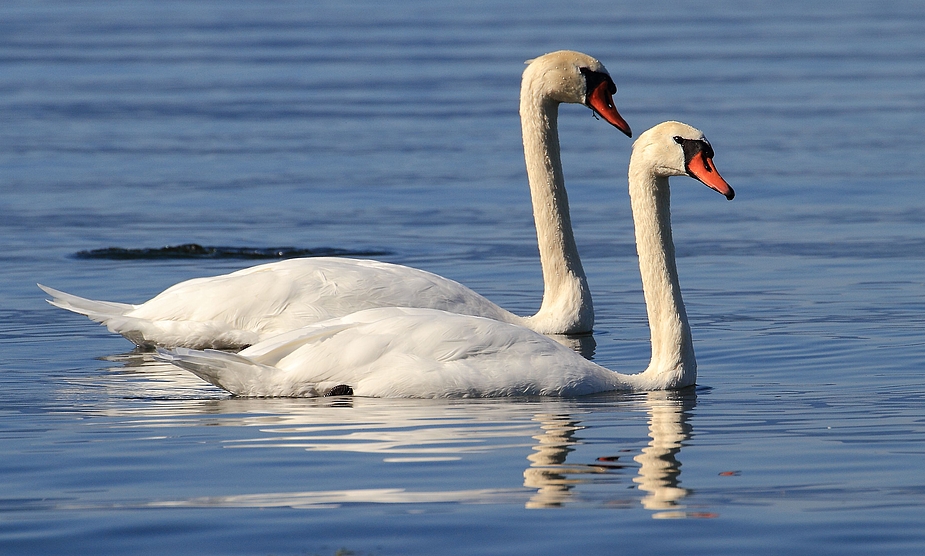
[196, 251]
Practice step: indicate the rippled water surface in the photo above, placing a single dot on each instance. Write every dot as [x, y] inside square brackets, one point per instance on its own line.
[392, 129]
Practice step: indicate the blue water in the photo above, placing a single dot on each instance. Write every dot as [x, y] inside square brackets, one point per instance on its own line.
[392, 128]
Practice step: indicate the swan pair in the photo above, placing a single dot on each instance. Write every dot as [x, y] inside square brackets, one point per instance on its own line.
[428, 353]
[400, 332]
[245, 307]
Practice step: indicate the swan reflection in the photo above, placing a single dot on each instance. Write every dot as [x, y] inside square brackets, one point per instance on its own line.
[659, 468]
[547, 473]
[569, 463]
[583, 344]
[658, 472]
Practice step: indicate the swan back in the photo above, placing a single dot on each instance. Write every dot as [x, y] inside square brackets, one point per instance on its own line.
[402, 352]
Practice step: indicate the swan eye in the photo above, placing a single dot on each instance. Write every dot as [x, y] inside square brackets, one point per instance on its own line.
[593, 79]
[694, 146]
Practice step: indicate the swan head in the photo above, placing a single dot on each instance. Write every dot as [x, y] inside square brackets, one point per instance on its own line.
[677, 149]
[576, 78]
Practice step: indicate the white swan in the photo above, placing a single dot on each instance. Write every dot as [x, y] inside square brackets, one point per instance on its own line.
[244, 307]
[413, 352]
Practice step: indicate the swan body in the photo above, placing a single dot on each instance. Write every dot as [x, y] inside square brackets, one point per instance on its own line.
[239, 309]
[422, 352]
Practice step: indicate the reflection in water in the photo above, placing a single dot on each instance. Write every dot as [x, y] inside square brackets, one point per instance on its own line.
[659, 469]
[428, 431]
[583, 344]
[546, 472]
[140, 375]
[136, 375]
[338, 498]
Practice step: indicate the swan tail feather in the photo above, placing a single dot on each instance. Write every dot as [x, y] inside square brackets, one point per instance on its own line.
[149, 333]
[236, 374]
[98, 311]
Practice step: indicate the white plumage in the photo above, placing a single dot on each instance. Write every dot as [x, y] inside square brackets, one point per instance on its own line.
[244, 307]
[419, 352]
[399, 352]
[241, 308]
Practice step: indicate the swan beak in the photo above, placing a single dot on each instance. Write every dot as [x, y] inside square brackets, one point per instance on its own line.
[601, 101]
[701, 167]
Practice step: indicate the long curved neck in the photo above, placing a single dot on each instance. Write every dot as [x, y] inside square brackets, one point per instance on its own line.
[672, 346]
[567, 306]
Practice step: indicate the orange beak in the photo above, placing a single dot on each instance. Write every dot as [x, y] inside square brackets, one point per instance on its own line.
[601, 101]
[701, 167]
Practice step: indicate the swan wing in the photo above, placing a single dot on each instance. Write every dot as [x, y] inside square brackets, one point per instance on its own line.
[404, 352]
[244, 307]
[232, 372]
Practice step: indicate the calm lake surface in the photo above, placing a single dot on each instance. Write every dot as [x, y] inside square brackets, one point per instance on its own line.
[392, 128]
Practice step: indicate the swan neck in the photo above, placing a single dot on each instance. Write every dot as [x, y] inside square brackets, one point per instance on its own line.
[673, 359]
[567, 306]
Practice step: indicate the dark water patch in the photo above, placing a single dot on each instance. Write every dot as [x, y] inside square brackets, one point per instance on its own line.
[196, 251]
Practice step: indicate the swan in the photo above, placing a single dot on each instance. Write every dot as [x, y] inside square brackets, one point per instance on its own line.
[427, 353]
[244, 307]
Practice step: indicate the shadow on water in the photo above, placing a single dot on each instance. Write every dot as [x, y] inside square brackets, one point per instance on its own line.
[196, 251]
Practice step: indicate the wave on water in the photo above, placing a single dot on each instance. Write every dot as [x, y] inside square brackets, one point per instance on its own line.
[196, 251]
